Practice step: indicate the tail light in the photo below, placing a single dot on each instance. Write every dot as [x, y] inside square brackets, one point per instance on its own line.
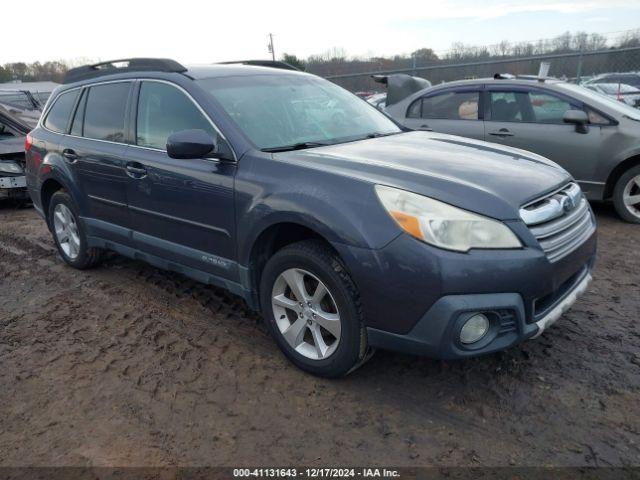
[34, 159]
[27, 143]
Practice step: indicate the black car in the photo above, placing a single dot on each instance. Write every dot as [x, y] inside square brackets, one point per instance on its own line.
[345, 231]
[13, 130]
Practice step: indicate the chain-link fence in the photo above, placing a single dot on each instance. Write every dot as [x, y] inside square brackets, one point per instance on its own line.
[575, 66]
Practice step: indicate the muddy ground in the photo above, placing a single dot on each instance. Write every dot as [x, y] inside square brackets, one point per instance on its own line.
[129, 365]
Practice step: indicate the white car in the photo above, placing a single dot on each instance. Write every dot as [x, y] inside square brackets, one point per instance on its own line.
[618, 91]
[378, 100]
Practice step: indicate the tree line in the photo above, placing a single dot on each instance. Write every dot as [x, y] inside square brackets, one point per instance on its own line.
[33, 72]
[336, 61]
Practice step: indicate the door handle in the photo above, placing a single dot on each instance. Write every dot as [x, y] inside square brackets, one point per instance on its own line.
[503, 132]
[425, 128]
[70, 155]
[136, 170]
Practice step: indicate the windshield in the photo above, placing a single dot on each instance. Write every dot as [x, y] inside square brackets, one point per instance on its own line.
[296, 110]
[611, 102]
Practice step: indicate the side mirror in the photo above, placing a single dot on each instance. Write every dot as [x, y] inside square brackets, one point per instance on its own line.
[188, 144]
[578, 118]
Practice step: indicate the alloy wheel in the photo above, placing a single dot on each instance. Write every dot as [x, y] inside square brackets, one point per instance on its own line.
[306, 314]
[66, 230]
[631, 196]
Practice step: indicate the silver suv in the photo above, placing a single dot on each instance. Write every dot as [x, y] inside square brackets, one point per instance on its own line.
[595, 138]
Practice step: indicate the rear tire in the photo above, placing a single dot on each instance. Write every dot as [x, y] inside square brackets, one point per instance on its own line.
[626, 195]
[304, 329]
[69, 233]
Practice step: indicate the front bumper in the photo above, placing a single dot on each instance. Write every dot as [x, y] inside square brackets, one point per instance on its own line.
[565, 304]
[437, 333]
[416, 297]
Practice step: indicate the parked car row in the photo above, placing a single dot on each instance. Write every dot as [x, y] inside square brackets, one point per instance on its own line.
[347, 231]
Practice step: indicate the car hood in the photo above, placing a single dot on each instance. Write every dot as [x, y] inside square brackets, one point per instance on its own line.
[11, 146]
[478, 176]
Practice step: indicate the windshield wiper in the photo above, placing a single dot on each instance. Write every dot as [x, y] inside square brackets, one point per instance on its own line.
[295, 146]
[378, 134]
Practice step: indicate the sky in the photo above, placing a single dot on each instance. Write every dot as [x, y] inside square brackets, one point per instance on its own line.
[205, 31]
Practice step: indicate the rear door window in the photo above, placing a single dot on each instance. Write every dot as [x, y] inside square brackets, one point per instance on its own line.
[58, 117]
[104, 115]
[451, 105]
[508, 106]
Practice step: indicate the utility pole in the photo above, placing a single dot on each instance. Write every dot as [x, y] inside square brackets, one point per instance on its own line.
[579, 72]
[270, 47]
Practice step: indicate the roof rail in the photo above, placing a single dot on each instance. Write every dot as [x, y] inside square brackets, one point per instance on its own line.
[509, 76]
[263, 63]
[128, 65]
[503, 76]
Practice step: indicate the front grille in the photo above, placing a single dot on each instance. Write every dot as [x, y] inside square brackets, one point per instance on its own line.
[561, 221]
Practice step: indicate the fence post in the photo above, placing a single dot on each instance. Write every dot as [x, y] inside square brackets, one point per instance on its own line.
[579, 72]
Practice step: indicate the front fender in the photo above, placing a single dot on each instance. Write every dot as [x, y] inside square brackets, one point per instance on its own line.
[341, 209]
[621, 145]
[625, 154]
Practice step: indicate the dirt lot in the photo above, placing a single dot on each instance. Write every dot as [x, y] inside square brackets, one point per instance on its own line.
[129, 365]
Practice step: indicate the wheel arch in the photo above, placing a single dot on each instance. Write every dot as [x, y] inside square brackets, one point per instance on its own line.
[618, 171]
[48, 188]
[273, 238]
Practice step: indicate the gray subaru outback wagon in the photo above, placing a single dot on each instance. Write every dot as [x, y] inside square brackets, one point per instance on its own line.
[345, 231]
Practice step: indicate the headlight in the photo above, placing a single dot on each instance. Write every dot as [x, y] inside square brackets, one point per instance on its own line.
[10, 167]
[443, 225]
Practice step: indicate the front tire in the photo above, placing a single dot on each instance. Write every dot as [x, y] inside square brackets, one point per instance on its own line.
[312, 308]
[69, 233]
[626, 195]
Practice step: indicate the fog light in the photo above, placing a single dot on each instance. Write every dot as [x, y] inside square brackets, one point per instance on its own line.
[474, 329]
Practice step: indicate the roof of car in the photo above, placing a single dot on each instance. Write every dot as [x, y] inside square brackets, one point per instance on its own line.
[510, 81]
[234, 70]
[167, 65]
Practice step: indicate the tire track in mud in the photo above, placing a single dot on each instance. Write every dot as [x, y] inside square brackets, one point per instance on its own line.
[127, 354]
[225, 308]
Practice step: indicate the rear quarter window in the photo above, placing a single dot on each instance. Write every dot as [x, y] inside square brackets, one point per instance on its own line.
[58, 116]
[415, 109]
